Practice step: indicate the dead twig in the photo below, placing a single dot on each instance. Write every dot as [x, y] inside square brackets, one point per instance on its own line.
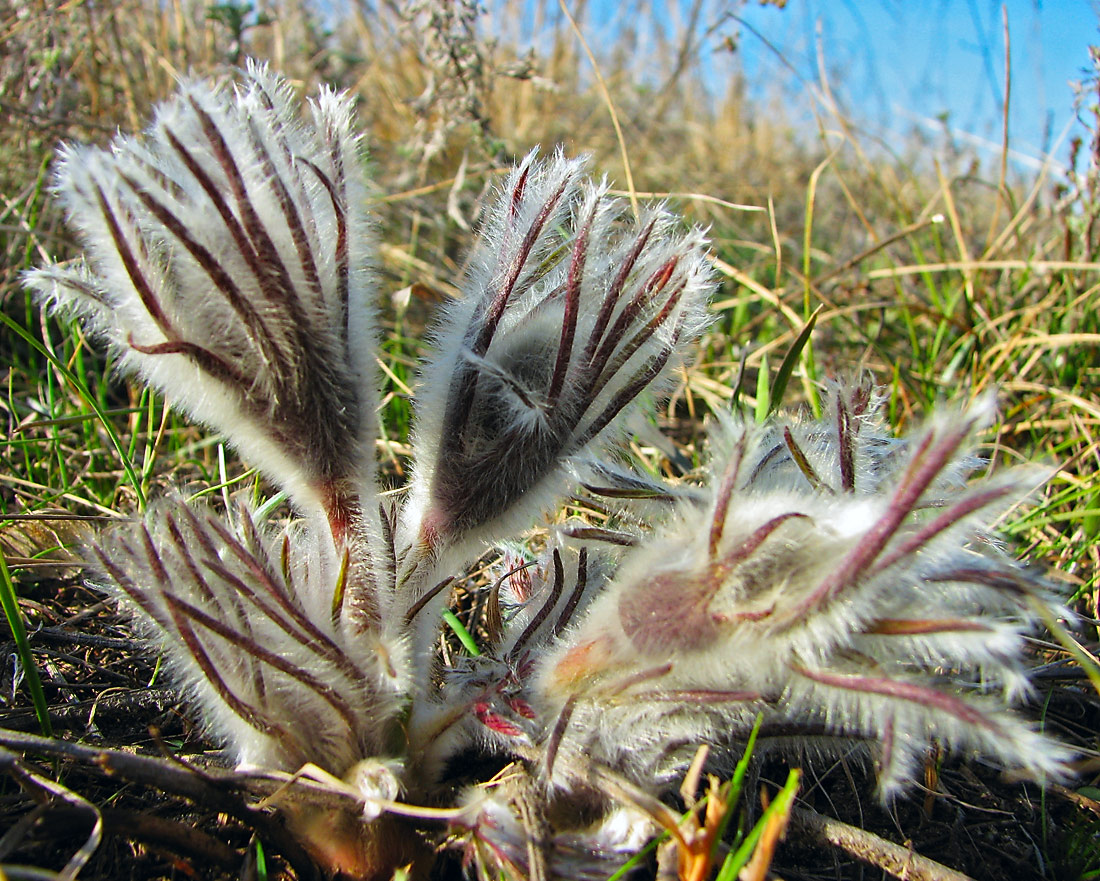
[45, 792]
[898, 861]
[218, 789]
[176, 836]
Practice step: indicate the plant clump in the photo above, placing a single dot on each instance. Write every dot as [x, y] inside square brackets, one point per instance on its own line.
[835, 582]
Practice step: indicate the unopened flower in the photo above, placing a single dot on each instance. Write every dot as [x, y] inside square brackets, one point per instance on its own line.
[228, 265]
[247, 623]
[837, 580]
[572, 309]
[285, 679]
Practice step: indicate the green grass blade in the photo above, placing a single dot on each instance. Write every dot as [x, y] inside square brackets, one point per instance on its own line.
[265, 510]
[1088, 663]
[87, 397]
[783, 376]
[738, 778]
[731, 790]
[464, 635]
[223, 485]
[782, 802]
[10, 601]
[261, 861]
[763, 391]
[626, 868]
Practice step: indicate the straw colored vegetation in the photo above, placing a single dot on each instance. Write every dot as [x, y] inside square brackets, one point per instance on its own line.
[941, 277]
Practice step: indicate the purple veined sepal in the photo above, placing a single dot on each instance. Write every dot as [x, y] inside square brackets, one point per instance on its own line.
[572, 309]
[840, 581]
[259, 629]
[228, 264]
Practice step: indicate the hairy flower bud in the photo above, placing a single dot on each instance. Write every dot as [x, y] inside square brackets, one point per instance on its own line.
[838, 580]
[228, 265]
[572, 309]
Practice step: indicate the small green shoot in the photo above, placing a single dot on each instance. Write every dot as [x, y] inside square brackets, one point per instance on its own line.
[464, 635]
[763, 392]
[261, 860]
[775, 815]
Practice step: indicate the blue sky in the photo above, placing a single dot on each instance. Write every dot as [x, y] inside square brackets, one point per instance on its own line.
[894, 64]
[899, 64]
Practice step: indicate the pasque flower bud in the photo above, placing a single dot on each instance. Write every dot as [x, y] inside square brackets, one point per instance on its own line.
[228, 256]
[572, 308]
[836, 579]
